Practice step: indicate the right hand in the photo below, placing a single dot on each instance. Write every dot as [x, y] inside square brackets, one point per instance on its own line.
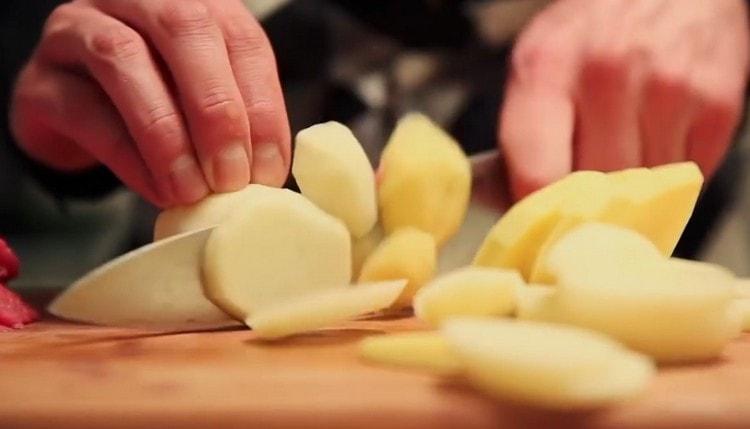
[178, 98]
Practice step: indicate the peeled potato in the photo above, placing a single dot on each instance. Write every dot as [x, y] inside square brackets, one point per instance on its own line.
[332, 170]
[323, 308]
[535, 303]
[515, 239]
[546, 365]
[742, 288]
[470, 291]
[363, 247]
[408, 254]
[425, 179]
[426, 351]
[742, 308]
[210, 211]
[139, 288]
[613, 280]
[280, 246]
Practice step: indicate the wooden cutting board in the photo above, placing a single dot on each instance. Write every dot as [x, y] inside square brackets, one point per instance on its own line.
[60, 375]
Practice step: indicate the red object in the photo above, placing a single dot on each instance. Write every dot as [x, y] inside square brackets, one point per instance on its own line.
[9, 263]
[14, 313]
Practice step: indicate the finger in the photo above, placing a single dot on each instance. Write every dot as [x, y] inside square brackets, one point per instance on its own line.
[711, 134]
[667, 109]
[192, 45]
[119, 59]
[254, 68]
[68, 105]
[607, 134]
[536, 130]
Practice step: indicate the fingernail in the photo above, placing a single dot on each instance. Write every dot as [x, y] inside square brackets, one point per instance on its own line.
[230, 169]
[268, 165]
[187, 180]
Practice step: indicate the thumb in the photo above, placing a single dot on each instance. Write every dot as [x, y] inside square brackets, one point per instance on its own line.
[536, 135]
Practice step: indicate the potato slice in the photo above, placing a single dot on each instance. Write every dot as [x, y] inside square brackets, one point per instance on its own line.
[332, 170]
[323, 308]
[424, 351]
[280, 246]
[742, 309]
[363, 247]
[742, 288]
[546, 365]
[613, 280]
[140, 289]
[210, 211]
[535, 303]
[408, 254]
[470, 291]
[516, 238]
[425, 179]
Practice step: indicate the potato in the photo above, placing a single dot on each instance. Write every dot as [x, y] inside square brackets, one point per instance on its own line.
[210, 211]
[323, 308]
[278, 247]
[425, 179]
[742, 309]
[363, 247]
[535, 303]
[549, 366]
[615, 281]
[657, 203]
[408, 254]
[660, 201]
[425, 351]
[332, 170]
[742, 288]
[470, 291]
[139, 288]
[515, 239]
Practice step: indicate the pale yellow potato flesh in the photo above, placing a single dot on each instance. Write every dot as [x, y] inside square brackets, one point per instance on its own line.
[408, 253]
[534, 303]
[742, 287]
[424, 351]
[324, 308]
[363, 247]
[332, 171]
[469, 291]
[280, 246]
[210, 211]
[741, 307]
[654, 202]
[615, 281]
[155, 285]
[544, 365]
[516, 238]
[425, 179]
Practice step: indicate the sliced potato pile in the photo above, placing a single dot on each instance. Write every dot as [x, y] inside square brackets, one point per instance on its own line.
[423, 351]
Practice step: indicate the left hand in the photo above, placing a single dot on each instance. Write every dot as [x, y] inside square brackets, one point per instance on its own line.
[611, 84]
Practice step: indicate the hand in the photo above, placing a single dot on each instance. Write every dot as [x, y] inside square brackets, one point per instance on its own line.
[177, 97]
[611, 84]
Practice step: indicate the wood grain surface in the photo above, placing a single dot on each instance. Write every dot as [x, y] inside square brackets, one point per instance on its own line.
[61, 375]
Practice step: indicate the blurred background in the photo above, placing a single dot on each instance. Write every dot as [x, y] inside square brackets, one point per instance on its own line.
[349, 61]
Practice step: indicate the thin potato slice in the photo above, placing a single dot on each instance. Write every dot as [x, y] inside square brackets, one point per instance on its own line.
[406, 254]
[280, 246]
[210, 211]
[741, 307]
[140, 289]
[333, 171]
[425, 179]
[423, 351]
[363, 247]
[546, 365]
[535, 303]
[323, 308]
[470, 291]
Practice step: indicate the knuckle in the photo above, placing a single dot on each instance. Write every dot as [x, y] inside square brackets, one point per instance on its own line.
[163, 125]
[534, 61]
[244, 38]
[116, 44]
[184, 17]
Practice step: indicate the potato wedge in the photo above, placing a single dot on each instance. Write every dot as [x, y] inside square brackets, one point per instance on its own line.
[210, 211]
[423, 351]
[425, 179]
[535, 303]
[280, 246]
[408, 253]
[332, 170]
[323, 308]
[363, 247]
[469, 291]
[545, 365]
